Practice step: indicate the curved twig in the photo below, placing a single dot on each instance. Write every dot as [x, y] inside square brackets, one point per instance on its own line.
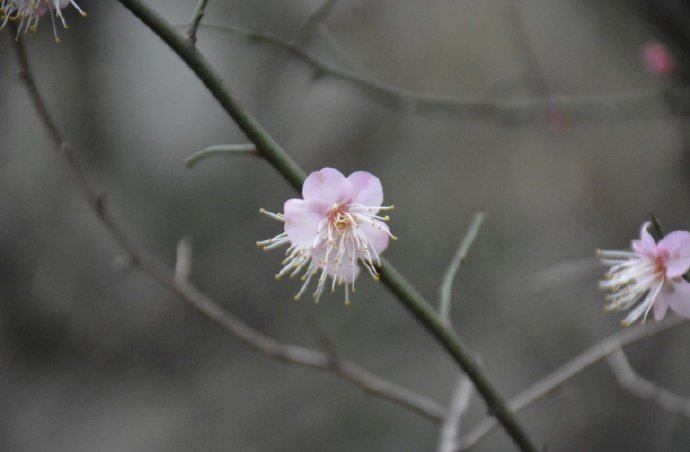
[455, 263]
[221, 149]
[645, 389]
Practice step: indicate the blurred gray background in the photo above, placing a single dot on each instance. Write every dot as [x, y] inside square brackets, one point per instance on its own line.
[94, 356]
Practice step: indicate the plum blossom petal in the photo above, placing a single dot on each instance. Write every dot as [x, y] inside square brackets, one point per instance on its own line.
[660, 306]
[366, 189]
[301, 221]
[45, 6]
[679, 298]
[646, 244]
[327, 185]
[340, 274]
[676, 247]
[378, 234]
[333, 230]
[649, 277]
[677, 267]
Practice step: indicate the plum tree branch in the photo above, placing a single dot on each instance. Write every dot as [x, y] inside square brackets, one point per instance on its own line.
[624, 106]
[283, 163]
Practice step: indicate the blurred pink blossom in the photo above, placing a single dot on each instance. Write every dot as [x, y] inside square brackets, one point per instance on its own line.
[334, 226]
[650, 276]
[657, 59]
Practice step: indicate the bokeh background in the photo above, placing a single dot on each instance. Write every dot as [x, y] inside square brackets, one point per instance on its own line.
[94, 356]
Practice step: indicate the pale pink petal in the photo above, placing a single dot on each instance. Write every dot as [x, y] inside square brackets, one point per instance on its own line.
[677, 267]
[345, 272]
[366, 189]
[678, 297]
[377, 235]
[677, 243]
[675, 249]
[42, 9]
[327, 185]
[646, 245]
[302, 221]
[44, 6]
[661, 302]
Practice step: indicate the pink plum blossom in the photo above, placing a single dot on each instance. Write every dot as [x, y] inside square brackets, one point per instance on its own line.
[650, 276]
[28, 12]
[334, 226]
[657, 59]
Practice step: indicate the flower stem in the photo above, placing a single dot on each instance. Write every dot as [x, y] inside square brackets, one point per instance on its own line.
[281, 161]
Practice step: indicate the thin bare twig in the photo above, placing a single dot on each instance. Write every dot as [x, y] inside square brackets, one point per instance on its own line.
[460, 399]
[455, 263]
[596, 108]
[292, 354]
[194, 22]
[645, 389]
[571, 368]
[459, 402]
[538, 83]
[306, 30]
[221, 149]
[336, 49]
[183, 260]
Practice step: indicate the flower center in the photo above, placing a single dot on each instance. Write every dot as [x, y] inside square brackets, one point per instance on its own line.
[660, 263]
[340, 218]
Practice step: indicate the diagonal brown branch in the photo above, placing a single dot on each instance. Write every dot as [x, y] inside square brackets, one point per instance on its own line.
[292, 354]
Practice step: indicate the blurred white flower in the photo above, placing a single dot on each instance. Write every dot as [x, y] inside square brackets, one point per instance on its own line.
[26, 13]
